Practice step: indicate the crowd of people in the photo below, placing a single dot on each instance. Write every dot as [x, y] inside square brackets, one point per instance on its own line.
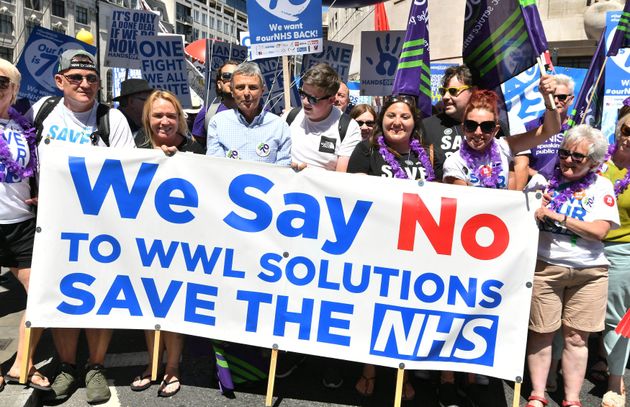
[582, 276]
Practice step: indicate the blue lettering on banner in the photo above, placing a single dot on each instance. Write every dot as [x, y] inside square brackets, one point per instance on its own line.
[161, 307]
[68, 287]
[345, 231]
[327, 321]
[194, 303]
[425, 335]
[121, 285]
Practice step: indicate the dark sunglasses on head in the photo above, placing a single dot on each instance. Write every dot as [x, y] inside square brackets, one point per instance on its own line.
[561, 98]
[226, 76]
[369, 123]
[311, 99]
[77, 79]
[5, 81]
[408, 99]
[625, 131]
[576, 157]
[486, 127]
[453, 91]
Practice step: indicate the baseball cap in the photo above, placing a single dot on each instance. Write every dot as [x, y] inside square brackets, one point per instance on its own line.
[76, 59]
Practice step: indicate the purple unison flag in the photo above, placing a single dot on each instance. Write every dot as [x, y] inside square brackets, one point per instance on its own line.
[413, 76]
[622, 35]
[589, 103]
[502, 38]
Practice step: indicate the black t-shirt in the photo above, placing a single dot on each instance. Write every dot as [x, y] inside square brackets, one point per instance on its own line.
[445, 135]
[366, 159]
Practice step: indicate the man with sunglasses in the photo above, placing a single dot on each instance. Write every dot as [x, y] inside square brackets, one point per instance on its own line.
[74, 120]
[543, 158]
[222, 101]
[315, 129]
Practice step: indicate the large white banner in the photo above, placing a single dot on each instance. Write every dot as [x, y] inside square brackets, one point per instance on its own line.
[361, 268]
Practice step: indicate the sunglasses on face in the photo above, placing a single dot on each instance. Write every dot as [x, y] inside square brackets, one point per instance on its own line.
[576, 157]
[624, 131]
[453, 91]
[226, 76]
[5, 81]
[77, 79]
[311, 99]
[369, 123]
[486, 127]
[562, 98]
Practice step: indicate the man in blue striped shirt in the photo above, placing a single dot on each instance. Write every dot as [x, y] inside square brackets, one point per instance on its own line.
[248, 132]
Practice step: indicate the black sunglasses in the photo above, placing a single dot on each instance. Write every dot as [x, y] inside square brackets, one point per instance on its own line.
[77, 79]
[5, 81]
[625, 131]
[369, 123]
[576, 157]
[226, 76]
[486, 127]
[311, 99]
[561, 98]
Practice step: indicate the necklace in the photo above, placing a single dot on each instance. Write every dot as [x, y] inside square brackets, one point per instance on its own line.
[486, 165]
[6, 158]
[415, 146]
[572, 187]
[621, 184]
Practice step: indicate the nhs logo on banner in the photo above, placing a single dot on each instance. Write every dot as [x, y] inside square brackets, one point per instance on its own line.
[284, 27]
[424, 335]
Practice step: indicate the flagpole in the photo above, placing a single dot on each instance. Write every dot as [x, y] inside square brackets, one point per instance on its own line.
[590, 99]
[542, 71]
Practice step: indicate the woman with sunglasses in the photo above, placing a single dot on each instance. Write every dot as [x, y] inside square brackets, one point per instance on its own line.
[571, 276]
[394, 149]
[482, 160]
[165, 127]
[617, 250]
[18, 167]
[365, 116]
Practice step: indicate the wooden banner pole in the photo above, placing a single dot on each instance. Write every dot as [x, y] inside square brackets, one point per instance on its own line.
[157, 336]
[517, 393]
[272, 374]
[286, 82]
[26, 351]
[400, 381]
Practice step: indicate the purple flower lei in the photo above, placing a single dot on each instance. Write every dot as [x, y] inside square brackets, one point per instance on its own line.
[28, 131]
[477, 162]
[573, 187]
[621, 184]
[393, 163]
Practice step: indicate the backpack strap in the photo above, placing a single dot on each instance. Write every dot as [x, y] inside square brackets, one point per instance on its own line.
[43, 112]
[344, 121]
[292, 114]
[102, 120]
[212, 110]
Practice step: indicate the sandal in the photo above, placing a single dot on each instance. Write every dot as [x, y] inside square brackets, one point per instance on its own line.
[365, 383]
[543, 400]
[16, 380]
[163, 393]
[566, 403]
[141, 386]
[598, 375]
[612, 399]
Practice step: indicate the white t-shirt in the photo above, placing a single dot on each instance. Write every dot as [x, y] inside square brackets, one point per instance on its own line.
[557, 245]
[455, 166]
[62, 124]
[317, 144]
[14, 191]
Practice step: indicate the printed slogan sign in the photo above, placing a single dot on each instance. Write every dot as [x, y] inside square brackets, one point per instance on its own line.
[126, 26]
[380, 51]
[366, 269]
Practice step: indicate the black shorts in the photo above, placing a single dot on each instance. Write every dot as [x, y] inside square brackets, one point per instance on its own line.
[16, 244]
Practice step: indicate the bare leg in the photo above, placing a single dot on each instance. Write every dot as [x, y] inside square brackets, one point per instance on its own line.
[66, 340]
[145, 378]
[23, 276]
[174, 343]
[539, 361]
[98, 342]
[365, 384]
[574, 360]
[615, 383]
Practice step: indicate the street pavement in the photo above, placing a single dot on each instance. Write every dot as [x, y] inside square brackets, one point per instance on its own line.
[127, 357]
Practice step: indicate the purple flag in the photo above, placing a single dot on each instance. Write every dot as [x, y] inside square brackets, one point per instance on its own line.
[501, 40]
[589, 103]
[622, 35]
[413, 76]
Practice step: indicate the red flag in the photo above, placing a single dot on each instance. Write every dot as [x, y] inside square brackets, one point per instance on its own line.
[380, 18]
[623, 328]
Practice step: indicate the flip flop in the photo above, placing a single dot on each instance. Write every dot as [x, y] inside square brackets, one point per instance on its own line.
[16, 380]
[142, 386]
[164, 384]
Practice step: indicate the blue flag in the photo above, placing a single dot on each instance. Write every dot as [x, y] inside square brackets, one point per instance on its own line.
[622, 35]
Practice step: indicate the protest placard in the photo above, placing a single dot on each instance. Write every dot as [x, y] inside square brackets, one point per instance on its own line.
[617, 78]
[219, 53]
[125, 28]
[164, 65]
[284, 28]
[368, 269]
[39, 62]
[336, 54]
[379, 59]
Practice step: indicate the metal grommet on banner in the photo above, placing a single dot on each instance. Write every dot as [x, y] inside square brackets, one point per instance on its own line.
[518, 379]
[27, 324]
[420, 183]
[47, 140]
[38, 229]
[157, 327]
[401, 366]
[274, 346]
[539, 195]
[528, 284]
[285, 254]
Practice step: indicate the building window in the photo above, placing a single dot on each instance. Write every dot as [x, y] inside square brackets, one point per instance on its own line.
[82, 15]
[59, 8]
[226, 28]
[212, 22]
[33, 4]
[6, 24]
[204, 19]
[196, 14]
[6, 53]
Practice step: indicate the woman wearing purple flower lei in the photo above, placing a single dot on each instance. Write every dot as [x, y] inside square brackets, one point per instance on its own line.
[617, 251]
[483, 161]
[571, 277]
[18, 163]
